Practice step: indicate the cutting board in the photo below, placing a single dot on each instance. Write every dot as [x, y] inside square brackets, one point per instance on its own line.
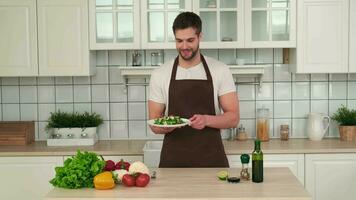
[17, 132]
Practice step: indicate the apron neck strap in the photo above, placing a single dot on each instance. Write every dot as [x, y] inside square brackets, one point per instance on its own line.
[202, 59]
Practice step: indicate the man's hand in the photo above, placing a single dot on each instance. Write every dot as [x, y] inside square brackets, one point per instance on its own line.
[161, 130]
[198, 121]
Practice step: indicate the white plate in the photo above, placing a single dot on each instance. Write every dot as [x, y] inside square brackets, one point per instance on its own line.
[186, 122]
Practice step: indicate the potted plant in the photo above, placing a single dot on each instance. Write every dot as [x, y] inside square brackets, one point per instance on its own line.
[73, 125]
[346, 118]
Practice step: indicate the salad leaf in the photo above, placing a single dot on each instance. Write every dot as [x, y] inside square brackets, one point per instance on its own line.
[78, 171]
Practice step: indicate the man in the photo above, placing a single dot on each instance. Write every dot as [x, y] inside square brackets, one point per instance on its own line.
[193, 87]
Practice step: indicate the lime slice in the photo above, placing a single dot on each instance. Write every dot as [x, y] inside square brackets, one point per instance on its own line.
[222, 175]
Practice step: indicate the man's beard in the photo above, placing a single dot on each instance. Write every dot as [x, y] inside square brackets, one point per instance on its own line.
[194, 53]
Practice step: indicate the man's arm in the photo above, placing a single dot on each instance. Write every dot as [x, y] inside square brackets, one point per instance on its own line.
[230, 118]
[156, 110]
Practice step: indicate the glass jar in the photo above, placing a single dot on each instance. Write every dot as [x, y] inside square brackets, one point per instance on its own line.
[156, 58]
[284, 132]
[263, 124]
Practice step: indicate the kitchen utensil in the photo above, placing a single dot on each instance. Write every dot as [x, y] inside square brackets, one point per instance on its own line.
[316, 127]
[136, 58]
[17, 133]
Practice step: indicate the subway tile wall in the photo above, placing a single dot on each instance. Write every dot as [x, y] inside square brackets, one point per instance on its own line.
[289, 97]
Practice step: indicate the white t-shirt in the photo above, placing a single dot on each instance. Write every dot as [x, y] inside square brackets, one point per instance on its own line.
[160, 80]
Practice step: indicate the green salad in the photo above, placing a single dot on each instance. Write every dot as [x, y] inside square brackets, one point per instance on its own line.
[169, 120]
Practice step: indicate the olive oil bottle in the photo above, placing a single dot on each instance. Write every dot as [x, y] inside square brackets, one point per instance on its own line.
[257, 163]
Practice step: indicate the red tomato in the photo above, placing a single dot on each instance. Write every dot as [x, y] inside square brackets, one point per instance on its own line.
[142, 180]
[128, 180]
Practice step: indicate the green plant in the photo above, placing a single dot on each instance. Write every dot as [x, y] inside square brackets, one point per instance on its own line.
[73, 120]
[345, 116]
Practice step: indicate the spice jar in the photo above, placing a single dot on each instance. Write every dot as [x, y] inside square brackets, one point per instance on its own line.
[241, 133]
[156, 58]
[263, 124]
[244, 174]
[284, 132]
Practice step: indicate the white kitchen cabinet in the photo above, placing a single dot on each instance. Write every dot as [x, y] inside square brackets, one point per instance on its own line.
[270, 23]
[322, 45]
[27, 177]
[18, 38]
[331, 176]
[352, 38]
[295, 162]
[63, 38]
[157, 19]
[114, 24]
[222, 23]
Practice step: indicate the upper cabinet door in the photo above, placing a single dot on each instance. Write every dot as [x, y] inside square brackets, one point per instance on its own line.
[352, 53]
[222, 21]
[114, 24]
[157, 19]
[270, 23]
[18, 38]
[322, 45]
[63, 38]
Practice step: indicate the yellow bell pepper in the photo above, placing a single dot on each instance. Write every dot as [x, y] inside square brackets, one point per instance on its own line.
[104, 181]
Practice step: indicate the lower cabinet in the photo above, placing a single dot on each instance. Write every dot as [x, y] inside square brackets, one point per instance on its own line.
[295, 162]
[331, 176]
[27, 177]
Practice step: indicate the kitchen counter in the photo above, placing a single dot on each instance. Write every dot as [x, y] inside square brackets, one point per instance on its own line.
[134, 147]
[197, 183]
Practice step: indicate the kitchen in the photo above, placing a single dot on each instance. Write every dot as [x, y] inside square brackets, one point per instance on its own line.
[320, 75]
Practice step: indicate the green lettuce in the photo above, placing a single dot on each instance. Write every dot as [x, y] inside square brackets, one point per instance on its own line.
[78, 171]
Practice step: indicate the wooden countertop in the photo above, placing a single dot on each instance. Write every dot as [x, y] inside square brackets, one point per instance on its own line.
[134, 147]
[197, 183]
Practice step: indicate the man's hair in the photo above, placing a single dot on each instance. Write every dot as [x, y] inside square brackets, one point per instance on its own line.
[187, 20]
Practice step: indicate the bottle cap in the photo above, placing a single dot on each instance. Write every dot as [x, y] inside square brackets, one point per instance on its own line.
[245, 158]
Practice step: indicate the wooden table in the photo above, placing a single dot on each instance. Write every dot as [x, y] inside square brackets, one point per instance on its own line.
[197, 183]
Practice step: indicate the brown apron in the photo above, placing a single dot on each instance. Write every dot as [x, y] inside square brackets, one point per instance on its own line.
[188, 147]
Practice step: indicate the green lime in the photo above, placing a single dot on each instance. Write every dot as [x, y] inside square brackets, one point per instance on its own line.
[222, 175]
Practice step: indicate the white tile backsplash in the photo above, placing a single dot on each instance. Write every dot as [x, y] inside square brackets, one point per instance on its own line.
[28, 80]
[282, 109]
[299, 128]
[82, 107]
[10, 112]
[100, 93]
[28, 112]
[319, 90]
[9, 81]
[64, 93]
[281, 72]
[337, 90]
[246, 92]
[65, 107]
[300, 109]
[118, 111]
[118, 93]
[102, 109]
[266, 92]
[46, 94]
[290, 97]
[136, 111]
[320, 106]
[264, 56]
[300, 90]
[10, 94]
[44, 111]
[82, 93]
[101, 76]
[282, 91]
[247, 109]
[28, 94]
[137, 129]
[119, 130]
